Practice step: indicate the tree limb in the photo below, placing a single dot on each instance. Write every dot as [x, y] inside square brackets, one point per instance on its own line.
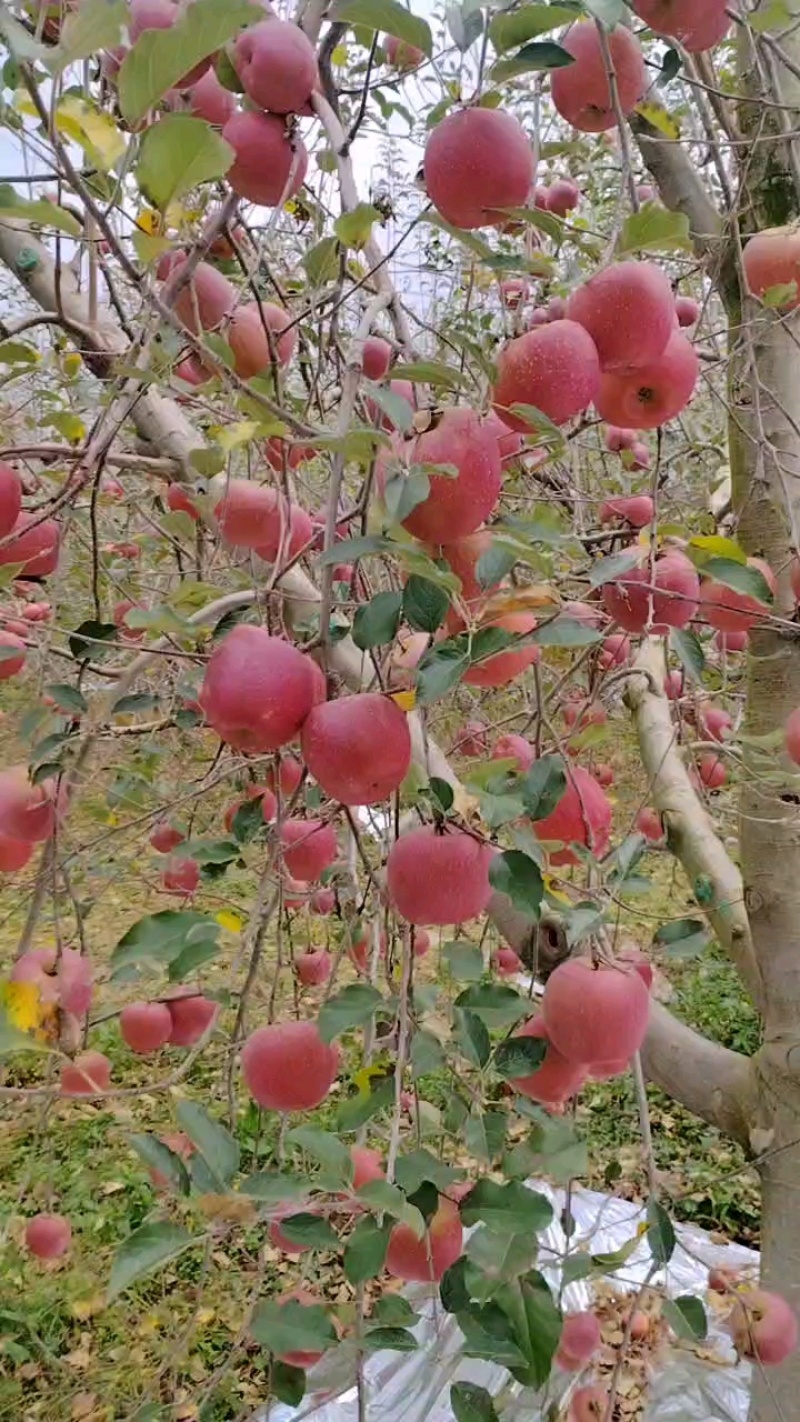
[691, 833]
[711, 1081]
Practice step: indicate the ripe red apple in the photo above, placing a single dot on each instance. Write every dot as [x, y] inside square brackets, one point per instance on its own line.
[639, 1326]
[36, 545]
[464, 554]
[88, 1074]
[562, 196]
[513, 292]
[580, 1339]
[638, 457]
[732, 611]
[11, 665]
[180, 876]
[516, 748]
[288, 1067]
[504, 666]
[191, 1014]
[280, 454]
[595, 1014]
[763, 1327]
[615, 652]
[649, 395]
[604, 774]
[648, 823]
[581, 92]
[376, 357]
[322, 902]
[313, 967]
[712, 771]
[257, 690]
[145, 1026]
[48, 1236]
[166, 837]
[310, 847]
[687, 310]
[507, 963]
[555, 1080]
[635, 509]
[277, 65]
[697, 28]
[616, 440]
[589, 1404]
[554, 368]
[772, 259]
[731, 641]
[437, 878]
[714, 722]
[628, 310]
[367, 1166]
[471, 739]
[456, 506]
[269, 167]
[425, 1260]
[579, 713]
[255, 331]
[206, 300]
[400, 54]
[27, 811]
[582, 816]
[476, 162]
[645, 192]
[14, 854]
[63, 979]
[10, 498]
[358, 748]
[209, 100]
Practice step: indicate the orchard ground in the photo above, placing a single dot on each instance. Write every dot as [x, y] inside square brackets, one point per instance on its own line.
[65, 1353]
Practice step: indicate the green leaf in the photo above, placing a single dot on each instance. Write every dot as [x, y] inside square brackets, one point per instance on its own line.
[660, 1232]
[83, 641]
[359, 1109]
[354, 1006]
[160, 58]
[18, 353]
[687, 1316]
[157, 1156]
[565, 632]
[376, 622]
[518, 877]
[274, 1187]
[94, 25]
[551, 1149]
[310, 1230]
[405, 491]
[160, 937]
[292, 1327]
[495, 563]
[655, 229]
[537, 1325]
[440, 669]
[463, 960]
[533, 58]
[670, 67]
[488, 1334]
[497, 1004]
[509, 29]
[387, 15]
[774, 16]
[471, 1036]
[425, 605]
[177, 154]
[147, 1249]
[287, 1383]
[430, 372]
[689, 650]
[465, 25]
[354, 228]
[135, 703]
[485, 1133]
[39, 212]
[325, 1147]
[500, 809]
[397, 1340]
[507, 1209]
[365, 1251]
[442, 793]
[67, 698]
[427, 1054]
[605, 569]
[216, 1144]
[349, 550]
[519, 1056]
[419, 1167]
[742, 578]
[544, 786]
[684, 937]
[322, 261]
[395, 406]
[394, 1311]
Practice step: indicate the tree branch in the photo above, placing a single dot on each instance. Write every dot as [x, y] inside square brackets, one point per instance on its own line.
[711, 1081]
[691, 833]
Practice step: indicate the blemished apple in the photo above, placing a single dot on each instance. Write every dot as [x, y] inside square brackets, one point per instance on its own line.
[287, 1066]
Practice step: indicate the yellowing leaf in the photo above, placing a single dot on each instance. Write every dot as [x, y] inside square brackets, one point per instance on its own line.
[553, 892]
[149, 221]
[659, 118]
[521, 600]
[96, 132]
[406, 700]
[229, 920]
[234, 436]
[23, 1005]
[339, 56]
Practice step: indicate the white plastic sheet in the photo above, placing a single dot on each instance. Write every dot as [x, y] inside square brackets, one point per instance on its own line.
[415, 1387]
